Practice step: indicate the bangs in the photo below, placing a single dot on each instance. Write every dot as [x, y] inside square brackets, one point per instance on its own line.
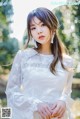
[45, 16]
[41, 15]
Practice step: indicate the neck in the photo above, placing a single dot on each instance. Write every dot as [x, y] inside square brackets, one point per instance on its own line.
[45, 49]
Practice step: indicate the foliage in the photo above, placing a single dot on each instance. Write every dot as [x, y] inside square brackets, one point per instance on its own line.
[69, 26]
[8, 51]
[25, 37]
[76, 19]
[8, 46]
[77, 75]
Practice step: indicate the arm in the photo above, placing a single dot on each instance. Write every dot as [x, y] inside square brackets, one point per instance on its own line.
[15, 97]
[65, 101]
[66, 94]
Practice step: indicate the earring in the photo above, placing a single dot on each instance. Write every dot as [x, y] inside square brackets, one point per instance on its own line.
[34, 42]
[52, 38]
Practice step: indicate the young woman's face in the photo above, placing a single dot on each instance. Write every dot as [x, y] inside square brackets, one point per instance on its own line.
[39, 31]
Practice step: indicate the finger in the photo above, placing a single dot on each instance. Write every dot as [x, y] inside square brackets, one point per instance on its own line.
[61, 110]
[42, 115]
[53, 106]
[48, 113]
[47, 118]
[60, 117]
[55, 111]
[61, 114]
[45, 112]
[48, 110]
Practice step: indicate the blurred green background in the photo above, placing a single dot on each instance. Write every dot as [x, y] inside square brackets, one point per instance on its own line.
[69, 33]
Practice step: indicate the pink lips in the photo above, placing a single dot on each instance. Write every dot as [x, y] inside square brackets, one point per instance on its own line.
[41, 37]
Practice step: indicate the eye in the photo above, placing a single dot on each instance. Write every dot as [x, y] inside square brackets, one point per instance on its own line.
[33, 28]
[43, 24]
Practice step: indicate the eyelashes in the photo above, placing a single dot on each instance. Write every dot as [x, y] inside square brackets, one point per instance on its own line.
[43, 24]
[33, 28]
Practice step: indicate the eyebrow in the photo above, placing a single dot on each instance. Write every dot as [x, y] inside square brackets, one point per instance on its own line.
[35, 23]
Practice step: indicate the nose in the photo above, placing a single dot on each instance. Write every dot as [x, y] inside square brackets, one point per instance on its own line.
[39, 30]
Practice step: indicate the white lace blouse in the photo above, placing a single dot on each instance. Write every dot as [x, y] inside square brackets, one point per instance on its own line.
[31, 82]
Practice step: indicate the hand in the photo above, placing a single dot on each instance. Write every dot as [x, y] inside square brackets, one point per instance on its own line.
[44, 110]
[58, 109]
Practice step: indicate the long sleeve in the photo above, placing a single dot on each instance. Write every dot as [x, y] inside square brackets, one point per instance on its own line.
[66, 94]
[15, 96]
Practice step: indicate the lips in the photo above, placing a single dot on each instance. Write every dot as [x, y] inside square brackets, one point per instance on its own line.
[41, 37]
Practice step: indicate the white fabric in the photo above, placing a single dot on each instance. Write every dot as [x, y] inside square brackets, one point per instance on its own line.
[31, 82]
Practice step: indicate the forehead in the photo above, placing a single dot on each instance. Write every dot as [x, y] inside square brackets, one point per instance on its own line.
[35, 21]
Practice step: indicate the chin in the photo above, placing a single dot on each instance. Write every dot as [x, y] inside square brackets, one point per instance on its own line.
[42, 42]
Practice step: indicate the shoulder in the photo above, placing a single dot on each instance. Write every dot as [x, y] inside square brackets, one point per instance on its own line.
[28, 52]
[67, 57]
[68, 60]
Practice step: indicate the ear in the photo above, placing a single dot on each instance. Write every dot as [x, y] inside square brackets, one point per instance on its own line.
[53, 32]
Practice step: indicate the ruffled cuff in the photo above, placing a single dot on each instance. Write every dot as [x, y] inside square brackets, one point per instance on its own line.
[68, 100]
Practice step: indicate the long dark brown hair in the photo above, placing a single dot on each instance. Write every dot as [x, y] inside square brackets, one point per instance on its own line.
[50, 20]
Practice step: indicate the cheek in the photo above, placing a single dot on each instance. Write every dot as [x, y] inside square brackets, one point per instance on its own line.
[48, 34]
[33, 34]
[47, 31]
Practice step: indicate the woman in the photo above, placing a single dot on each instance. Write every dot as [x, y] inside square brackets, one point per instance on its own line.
[41, 77]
